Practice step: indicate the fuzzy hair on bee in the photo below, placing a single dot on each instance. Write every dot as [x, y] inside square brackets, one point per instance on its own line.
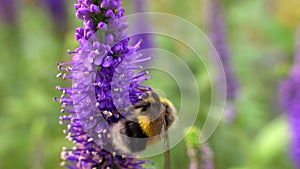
[145, 126]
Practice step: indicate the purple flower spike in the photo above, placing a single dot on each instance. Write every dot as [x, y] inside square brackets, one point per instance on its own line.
[217, 33]
[290, 92]
[192, 153]
[141, 25]
[207, 157]
[59, 14]
[9, 11]
[106, 77]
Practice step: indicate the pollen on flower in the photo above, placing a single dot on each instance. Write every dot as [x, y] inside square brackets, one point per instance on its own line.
[63, 155]
[91, 118]
[63, 163]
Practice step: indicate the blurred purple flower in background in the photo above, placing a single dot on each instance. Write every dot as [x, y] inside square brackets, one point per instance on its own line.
[192, 153]
[59, 14]
[216, 24]
[207, 157]
[9, 11]
[88, 106]
[143, 23]
[200, 155]
[290, 97]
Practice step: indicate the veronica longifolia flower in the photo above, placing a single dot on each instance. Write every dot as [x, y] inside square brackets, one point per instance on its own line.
[9, 11]
[104, 82]
[193, 145]
[59, 14]
[201, 155]
[141, 24]
[207, 157]
[217, 33]
[290, 97]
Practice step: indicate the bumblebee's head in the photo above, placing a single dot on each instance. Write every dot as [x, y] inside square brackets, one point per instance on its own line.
[156, 108]
[160, 106]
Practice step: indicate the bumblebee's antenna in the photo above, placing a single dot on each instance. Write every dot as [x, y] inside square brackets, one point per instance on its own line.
[155, 97]
[157, 103]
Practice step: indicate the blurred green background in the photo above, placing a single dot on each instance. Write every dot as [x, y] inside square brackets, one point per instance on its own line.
[262, 37]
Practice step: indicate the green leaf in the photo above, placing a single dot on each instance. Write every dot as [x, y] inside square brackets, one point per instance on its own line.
[270, 141]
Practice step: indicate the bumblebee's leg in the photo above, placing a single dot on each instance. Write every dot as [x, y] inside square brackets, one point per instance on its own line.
[141, 104]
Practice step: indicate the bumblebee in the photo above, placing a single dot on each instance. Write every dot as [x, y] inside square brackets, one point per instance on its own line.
[150, 118]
